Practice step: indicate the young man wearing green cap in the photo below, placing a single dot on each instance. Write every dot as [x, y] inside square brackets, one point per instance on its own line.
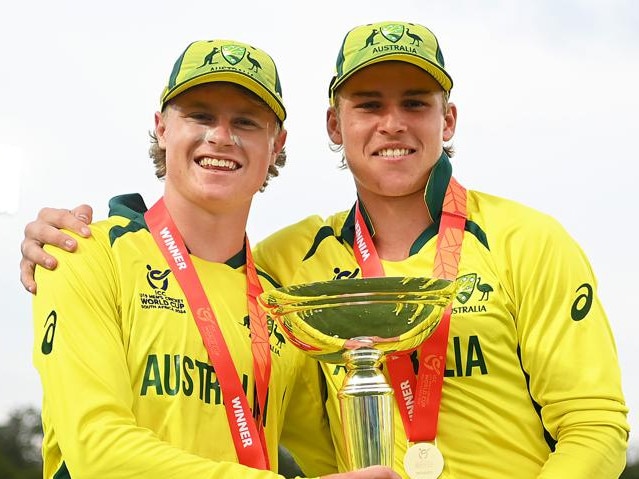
[521, 378]
[154, 357]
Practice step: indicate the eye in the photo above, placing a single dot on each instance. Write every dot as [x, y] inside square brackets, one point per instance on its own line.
[369, 105]
[246, 123]
[201, 117]
[414, 103]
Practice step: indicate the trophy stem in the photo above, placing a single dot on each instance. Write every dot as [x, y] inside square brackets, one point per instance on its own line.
[366, 405]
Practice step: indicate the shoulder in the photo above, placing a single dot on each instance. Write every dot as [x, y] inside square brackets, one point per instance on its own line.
[280, 253]
[294, 237]
[97, 248]
[302, 234]
[79, 274]
[296, 231]
[522, 237]
[495, 214]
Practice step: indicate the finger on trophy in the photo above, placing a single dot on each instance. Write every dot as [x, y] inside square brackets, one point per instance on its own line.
[371, 472]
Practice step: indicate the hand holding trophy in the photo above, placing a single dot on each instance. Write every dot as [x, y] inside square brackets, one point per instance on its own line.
[359, 322]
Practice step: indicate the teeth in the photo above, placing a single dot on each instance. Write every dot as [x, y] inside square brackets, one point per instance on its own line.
[215, 162]
[394, 152]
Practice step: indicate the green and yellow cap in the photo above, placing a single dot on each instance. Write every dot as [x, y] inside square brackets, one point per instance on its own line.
[384, 41]
[208, 61]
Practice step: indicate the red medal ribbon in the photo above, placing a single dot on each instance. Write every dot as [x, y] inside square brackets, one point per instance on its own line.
[419, 398]
[364, 248]
[247, 432]
[259, 339]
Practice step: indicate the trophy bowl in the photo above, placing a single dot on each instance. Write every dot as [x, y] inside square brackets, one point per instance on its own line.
[357, 322]
[392, 314]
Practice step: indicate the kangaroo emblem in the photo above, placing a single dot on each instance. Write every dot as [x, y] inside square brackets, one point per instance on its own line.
[370, 41]
[208, 60]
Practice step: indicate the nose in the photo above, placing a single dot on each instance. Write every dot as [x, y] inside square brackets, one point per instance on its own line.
[392, 121]
[220, 134]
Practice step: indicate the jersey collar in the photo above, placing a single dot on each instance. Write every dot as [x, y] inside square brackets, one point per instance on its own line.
[433, 197]
[132, 207]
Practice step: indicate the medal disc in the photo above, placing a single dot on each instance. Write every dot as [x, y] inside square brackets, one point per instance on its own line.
[423, 461]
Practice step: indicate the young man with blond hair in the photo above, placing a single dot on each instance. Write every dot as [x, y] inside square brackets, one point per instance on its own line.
[154, 357]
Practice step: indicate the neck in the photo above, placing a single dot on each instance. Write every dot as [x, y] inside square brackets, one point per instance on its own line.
[208, 234]
[398, 222]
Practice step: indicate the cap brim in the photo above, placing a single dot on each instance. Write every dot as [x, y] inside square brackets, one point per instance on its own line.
[440, 76]
[232, 77]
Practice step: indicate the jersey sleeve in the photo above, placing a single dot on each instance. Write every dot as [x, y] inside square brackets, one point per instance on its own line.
[306, 432]
[80, 355]
[567, 351]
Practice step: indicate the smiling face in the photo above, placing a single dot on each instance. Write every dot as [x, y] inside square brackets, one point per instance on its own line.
[219, 141]
[392, 122]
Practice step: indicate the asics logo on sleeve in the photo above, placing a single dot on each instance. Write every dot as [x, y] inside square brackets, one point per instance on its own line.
[49, 332]
[582, 304]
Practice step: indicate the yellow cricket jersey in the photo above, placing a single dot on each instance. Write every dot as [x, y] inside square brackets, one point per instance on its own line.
[129, 391]
[532, 383]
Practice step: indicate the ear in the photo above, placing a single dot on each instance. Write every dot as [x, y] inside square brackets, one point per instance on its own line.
[332, 126]
[160, 129]
[278, 144]
[450, 122]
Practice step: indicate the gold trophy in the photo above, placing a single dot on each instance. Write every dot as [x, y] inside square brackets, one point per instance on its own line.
[358, 322]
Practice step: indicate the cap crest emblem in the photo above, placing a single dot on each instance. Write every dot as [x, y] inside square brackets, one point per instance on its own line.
[233, 54]
[393, 32]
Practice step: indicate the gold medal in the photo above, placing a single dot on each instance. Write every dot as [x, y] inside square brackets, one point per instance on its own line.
[423, 461]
